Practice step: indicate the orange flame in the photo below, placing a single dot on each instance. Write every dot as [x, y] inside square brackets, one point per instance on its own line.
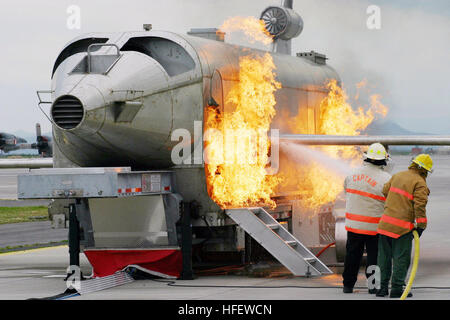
[237, 145]
[253, 28]
[317, 184]
[337, 117]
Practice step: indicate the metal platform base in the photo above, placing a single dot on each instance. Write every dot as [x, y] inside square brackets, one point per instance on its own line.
[259, 224]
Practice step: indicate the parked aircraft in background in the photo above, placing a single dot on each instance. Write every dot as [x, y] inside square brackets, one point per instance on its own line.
[9, 142]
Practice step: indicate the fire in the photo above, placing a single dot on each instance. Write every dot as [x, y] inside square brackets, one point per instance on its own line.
[337, 117]
[253, 28]
[237, 146]
[317, 184]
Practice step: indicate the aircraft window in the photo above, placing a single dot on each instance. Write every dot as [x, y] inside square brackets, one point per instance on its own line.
[170, 55]
[77, 47]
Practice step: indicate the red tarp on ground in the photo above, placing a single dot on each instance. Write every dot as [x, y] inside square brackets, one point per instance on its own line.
[106, 262]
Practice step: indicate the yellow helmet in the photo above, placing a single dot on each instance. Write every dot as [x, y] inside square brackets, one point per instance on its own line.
[424, 161]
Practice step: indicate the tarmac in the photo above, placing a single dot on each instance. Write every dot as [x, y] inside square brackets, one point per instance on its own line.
[39, 273]
[30, 233]
[8, 183]
[8, 190]
[27, 233]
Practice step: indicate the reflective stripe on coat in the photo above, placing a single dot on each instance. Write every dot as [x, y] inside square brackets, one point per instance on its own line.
[406, 199]
[364, 198]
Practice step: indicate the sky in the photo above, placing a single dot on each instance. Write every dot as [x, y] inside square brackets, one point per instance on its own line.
[406, 60]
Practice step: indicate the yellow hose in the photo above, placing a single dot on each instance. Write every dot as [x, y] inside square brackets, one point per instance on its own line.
[414, 267]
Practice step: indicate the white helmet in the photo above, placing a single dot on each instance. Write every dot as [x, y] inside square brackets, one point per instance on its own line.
[376, 151]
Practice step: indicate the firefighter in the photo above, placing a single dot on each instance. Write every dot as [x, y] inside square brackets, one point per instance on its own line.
[364, 207]
[406, 198]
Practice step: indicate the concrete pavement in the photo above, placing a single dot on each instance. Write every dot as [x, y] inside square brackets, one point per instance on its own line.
[8, 190]
[30, 233]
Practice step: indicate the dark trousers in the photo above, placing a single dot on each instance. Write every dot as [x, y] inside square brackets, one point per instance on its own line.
[394, 258]
[355, 249]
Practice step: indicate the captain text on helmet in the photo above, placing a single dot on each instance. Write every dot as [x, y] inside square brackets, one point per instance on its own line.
[364, 208]
[406, 199]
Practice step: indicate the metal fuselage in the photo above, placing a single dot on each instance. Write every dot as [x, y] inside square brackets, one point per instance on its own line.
[160, 82]
[168, 102]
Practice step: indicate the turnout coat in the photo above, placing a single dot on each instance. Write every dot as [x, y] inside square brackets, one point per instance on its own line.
[406, 199]
[365, 198]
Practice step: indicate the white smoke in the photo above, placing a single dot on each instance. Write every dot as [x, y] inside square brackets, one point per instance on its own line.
[305, 155]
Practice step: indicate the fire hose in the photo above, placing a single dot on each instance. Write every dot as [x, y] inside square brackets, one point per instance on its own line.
[325, 248]
[414, 267]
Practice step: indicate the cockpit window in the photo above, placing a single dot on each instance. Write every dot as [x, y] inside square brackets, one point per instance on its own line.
[77, 47]
[170, 55]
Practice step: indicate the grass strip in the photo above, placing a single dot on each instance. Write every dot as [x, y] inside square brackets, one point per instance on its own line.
[23, 214]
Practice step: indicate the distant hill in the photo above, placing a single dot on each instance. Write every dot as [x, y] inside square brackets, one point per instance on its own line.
[387, 127]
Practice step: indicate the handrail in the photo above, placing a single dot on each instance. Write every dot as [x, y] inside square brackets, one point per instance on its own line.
[98, 45]
[41, 101]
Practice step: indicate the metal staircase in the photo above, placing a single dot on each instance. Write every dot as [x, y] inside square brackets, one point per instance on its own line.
[260, 225]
